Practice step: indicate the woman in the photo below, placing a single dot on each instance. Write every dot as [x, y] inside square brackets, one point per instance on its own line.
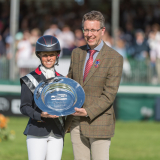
[44, 132]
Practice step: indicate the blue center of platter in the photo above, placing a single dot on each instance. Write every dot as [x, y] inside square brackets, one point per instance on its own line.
[59, 100]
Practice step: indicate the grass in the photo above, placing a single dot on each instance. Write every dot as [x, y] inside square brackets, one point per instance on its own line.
[136, 141]
[132, 141]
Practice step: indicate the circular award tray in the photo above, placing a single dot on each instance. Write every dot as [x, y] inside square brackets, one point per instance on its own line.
[59, 96]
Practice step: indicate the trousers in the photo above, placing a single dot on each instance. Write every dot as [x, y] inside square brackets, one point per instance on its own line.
[84, 148]
[44, 148]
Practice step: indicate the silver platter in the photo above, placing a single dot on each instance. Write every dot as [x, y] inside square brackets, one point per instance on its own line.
[59, 96]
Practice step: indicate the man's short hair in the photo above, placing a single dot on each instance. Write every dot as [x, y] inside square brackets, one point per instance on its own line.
[94, 16]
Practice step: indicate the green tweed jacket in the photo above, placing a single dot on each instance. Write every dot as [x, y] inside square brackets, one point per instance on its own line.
[100, 87]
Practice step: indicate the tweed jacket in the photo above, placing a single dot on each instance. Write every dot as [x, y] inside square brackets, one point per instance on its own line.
[100, 87]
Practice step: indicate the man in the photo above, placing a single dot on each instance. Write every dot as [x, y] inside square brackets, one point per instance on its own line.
[98, 69]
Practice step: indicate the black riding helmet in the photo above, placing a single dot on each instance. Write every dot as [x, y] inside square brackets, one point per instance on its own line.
[47, 43]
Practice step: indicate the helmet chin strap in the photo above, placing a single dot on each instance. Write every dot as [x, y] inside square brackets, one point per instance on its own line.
[57, 60]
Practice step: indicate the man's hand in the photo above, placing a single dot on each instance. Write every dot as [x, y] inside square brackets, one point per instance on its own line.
[80, 112]
[46, 115]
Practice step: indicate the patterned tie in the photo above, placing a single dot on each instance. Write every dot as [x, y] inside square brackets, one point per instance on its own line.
[89, 64]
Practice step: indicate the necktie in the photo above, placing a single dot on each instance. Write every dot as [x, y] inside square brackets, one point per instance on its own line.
[89, 64]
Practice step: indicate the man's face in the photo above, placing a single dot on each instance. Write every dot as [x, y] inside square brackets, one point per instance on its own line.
[93, 39]
[48, 59]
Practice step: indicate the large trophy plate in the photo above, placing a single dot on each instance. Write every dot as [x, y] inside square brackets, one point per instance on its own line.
[59, 96]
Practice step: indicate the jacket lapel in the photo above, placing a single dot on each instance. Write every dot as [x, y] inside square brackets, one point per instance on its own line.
[96, 64]
[81, 65]
[39, 75]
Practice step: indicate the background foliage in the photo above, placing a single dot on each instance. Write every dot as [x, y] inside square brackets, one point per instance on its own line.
[5, 132]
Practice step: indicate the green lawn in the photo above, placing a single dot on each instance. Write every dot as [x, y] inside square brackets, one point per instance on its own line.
[132, 141]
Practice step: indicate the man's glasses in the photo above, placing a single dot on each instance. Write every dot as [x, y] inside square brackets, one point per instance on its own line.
[85, 31]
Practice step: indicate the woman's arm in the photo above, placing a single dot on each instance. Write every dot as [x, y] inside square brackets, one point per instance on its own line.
[27, 101]
[27, 108]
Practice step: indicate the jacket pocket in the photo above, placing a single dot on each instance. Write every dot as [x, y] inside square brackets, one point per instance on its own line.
[110, 111]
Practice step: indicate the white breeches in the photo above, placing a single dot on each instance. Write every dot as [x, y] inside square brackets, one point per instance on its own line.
[44, 148]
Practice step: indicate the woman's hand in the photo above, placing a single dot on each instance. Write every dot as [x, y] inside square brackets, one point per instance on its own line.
[46, 115]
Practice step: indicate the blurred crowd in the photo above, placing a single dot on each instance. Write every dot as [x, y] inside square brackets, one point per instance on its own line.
[137, 39]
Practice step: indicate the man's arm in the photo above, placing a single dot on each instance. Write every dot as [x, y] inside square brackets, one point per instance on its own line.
[70, 72]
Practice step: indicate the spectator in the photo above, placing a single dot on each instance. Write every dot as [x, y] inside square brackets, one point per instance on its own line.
[52, 30]
[2, 59]
[108, 39]
[79, 39]
[24, 51]
[121, 49]
[154, 43]
[8, 41]
[67, 39]
[2, 47]
[129, 33]
[140, 46]
[35, 34]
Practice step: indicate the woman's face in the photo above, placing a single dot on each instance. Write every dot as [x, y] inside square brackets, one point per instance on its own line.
[48, 59]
